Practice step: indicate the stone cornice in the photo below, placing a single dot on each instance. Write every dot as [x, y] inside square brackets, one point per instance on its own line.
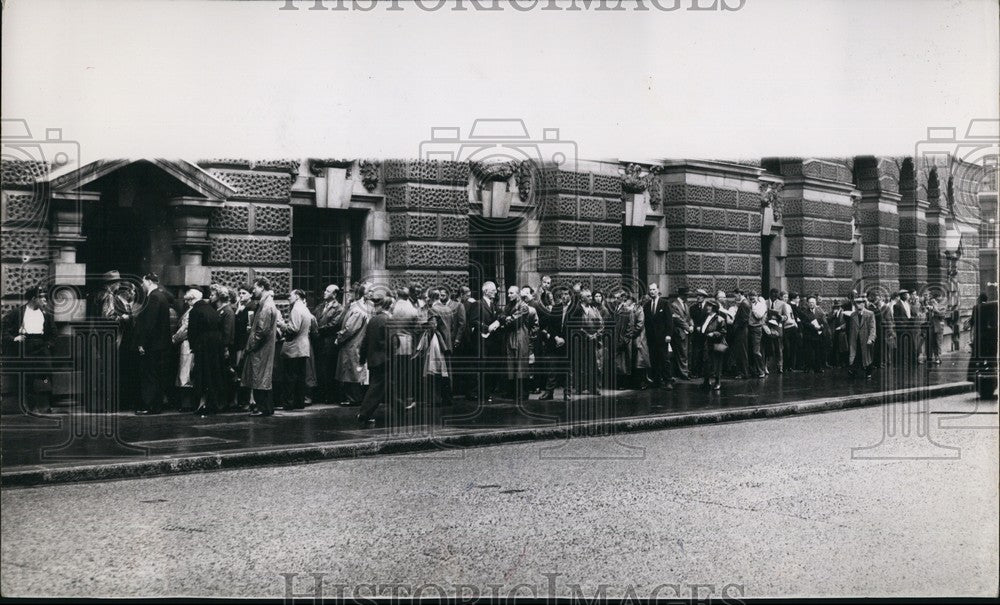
[712, 167]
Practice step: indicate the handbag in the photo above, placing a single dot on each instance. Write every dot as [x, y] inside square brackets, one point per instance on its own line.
[720, 347]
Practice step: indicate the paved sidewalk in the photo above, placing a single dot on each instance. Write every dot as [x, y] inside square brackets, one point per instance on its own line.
[41, 444]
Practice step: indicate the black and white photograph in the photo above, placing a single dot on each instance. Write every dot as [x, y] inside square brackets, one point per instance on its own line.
[500, 300]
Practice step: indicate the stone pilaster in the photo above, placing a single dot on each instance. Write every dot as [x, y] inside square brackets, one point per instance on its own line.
[817, 214]
[580, 226]
[877, 219]
[427, 205]
[712, 213]
[915, 248]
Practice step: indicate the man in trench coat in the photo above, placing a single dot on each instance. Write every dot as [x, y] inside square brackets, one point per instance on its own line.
[861, 338]
[259, 353]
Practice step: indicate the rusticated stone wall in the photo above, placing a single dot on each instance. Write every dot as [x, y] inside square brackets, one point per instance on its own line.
[580, 229]
[250, 235]
[25, 253]
[427, 205]
[818, 213]
[713, 216]
[878, 219]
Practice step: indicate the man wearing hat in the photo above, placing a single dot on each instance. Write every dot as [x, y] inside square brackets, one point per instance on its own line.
[28, 333]
[861, 338]
[682, 328]
[698, 313]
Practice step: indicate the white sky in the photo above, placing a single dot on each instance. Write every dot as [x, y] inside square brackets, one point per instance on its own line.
[244, 79]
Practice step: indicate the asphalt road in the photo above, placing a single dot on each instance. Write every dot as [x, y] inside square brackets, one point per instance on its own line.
[767, 508]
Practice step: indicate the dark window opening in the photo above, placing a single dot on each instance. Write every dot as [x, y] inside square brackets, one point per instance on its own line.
[326, 249]
[635, 258]
[492, 252]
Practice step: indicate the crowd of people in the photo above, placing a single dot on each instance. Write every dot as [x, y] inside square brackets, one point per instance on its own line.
[230, 349]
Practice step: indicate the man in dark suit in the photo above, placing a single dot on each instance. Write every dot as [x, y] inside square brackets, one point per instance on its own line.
[812, 336]
[659, 327]
[485, 340]
[152, 335]
[553, 337]
[374, 352]
[329, 315]
[699, 313]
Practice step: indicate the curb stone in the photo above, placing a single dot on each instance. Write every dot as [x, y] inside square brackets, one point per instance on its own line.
[332, 451]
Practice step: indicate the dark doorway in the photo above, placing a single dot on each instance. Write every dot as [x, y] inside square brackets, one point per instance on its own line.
[765, 264]
[326, 249]
[130, 229]
[492, 252]
[635, 260]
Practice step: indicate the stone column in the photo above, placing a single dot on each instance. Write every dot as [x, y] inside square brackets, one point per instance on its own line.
[190, 216]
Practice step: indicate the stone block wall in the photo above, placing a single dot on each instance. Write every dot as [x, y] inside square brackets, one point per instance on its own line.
[818, 214]
[427, 205]
[580, 228]
[713, 218]
[250, 235]
[25, 251]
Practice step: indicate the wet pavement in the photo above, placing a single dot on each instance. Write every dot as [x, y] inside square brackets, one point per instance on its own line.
[776, 508]
[69, 439]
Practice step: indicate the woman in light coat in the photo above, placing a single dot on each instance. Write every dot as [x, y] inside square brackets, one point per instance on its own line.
[640, 346]
[349, 341]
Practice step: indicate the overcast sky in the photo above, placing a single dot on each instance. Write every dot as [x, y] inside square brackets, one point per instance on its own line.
[245, 79]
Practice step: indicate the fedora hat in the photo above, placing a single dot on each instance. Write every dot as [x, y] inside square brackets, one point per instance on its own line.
[701, 292]
[111, 276]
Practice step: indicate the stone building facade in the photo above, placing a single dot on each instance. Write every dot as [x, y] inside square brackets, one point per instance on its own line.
[811, 225]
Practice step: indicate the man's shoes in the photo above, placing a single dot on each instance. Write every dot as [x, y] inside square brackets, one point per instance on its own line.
[547, 396]
[409, 406]
[146, 412]
[668, 387]
[642, 386]
[717, 387]
[256, 413]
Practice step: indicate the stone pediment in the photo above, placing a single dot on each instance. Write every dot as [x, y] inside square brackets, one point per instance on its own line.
[200, 183]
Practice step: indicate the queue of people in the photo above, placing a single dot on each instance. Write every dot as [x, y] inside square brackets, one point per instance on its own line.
[229, 349]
